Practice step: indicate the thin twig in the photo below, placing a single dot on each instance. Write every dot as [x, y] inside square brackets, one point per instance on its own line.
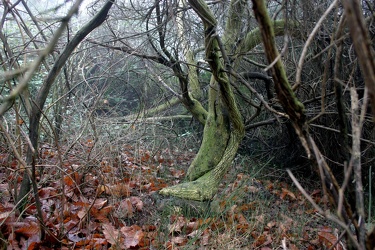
[30, 174]
[355, 161]
[326, 214]
[308, 42]
[338, 131]
[35, 65]
[161, 81]
[279, 56]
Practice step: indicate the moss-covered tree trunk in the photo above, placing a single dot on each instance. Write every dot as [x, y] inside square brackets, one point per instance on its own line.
[224, 128]
[296, 112]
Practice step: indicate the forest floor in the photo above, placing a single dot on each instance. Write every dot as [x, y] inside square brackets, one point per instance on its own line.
[112, 203]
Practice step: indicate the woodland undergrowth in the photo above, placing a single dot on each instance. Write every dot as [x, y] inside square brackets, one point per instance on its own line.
[111, 202]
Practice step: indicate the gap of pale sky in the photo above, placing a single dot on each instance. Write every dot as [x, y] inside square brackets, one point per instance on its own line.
[56, 8]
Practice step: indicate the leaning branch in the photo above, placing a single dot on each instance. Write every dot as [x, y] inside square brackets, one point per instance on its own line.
[362, 45]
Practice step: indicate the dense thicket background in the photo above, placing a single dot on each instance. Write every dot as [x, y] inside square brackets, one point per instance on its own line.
[119, 97]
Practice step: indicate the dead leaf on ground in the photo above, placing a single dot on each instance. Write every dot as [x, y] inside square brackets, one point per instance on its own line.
[286, 193]
[329, 240]
[111, 234]
[177, 173]
[133, 236]
[100, 203]
[177, 225]
[126, 208]
[137, 202]
[179, 240]
[29, 230]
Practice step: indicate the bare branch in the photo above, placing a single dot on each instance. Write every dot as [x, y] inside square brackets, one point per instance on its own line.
[309, 41]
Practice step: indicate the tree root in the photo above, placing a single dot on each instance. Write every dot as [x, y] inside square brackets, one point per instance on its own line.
[202, 189]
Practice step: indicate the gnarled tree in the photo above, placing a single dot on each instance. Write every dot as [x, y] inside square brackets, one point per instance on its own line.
[224, 50]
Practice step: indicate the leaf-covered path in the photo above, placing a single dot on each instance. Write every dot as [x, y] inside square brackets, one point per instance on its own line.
[113, 204]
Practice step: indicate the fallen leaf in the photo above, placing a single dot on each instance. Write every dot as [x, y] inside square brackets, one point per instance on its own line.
[82, 213]
[118, 190]
[103, 189]
[179, 240]
[177, 225]
[241, 219]
[125, 208]
[102, 214]
[329, 240]
[34, 246]
[29, 230]
[177, 173]
[205, 239]
[137, 202]
[263, 240]
[74, 237]
[47, 192]
[286, 193]
[5, 215]
[252, 189]
[133, 236]
[110, 233]
[100, 202]
[192, 226]
[260, 240]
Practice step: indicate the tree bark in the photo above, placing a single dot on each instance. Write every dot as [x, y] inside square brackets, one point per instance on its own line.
[362, 45]
[219, 145]
[215, 136]
[224, 128]
[295, 109]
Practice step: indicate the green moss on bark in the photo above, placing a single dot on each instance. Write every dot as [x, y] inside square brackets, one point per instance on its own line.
[215, 138]
[219, 147]
[205, 187]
